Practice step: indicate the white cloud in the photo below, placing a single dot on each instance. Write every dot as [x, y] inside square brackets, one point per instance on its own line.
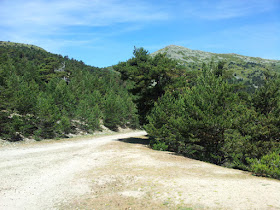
[46, 13]
[43, 20]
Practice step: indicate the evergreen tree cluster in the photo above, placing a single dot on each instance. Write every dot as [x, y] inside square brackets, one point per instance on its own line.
[215, 122]
[207, 114]
[150, 77]
[46, 96]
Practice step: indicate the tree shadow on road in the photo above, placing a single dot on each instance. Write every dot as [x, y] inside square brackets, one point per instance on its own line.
[134, 140]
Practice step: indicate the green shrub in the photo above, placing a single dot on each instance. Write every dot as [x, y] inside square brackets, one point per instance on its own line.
[159, 145]
[63, 126]
[267, 165]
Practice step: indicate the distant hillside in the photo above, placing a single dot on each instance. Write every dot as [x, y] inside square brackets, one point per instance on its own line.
[47, 65]
[13, 44]
[243, 67]
[187, 55]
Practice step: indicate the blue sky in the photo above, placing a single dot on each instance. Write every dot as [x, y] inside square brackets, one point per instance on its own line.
[104, 32]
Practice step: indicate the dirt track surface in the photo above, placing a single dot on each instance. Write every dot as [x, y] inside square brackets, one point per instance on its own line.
[120, 172]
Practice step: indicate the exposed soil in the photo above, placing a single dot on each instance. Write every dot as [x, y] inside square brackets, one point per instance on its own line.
[121, 172]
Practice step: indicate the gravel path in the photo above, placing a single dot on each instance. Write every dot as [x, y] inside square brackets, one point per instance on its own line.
[109, 173]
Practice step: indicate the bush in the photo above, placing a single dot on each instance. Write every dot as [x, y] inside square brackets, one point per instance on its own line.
[268, 165]
[63, 126]
[158, 145]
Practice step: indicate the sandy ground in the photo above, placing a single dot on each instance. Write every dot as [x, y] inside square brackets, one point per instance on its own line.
[121, 172]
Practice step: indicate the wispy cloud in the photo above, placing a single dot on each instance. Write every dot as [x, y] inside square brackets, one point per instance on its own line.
[226, 9]
[72, 12]
[40, 20]
[105, 31]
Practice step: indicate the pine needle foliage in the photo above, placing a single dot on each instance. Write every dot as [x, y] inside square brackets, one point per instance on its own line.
[211, 121]
[44, 95]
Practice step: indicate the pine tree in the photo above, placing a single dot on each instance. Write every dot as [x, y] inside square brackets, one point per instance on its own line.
[195, 122]
[151, 77]
[47, 114]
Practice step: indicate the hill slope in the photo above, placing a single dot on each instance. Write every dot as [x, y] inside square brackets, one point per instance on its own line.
[45, 95]
[243, 67]
[14, 44]
[187, 55]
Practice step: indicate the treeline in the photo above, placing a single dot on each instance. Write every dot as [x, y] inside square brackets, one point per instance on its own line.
[46, 96]
[207, 114]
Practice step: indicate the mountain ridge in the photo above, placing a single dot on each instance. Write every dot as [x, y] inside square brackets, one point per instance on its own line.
[251, 70]
[15, 44]
[174, 51]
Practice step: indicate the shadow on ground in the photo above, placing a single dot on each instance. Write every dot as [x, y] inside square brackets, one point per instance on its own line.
[142, 140]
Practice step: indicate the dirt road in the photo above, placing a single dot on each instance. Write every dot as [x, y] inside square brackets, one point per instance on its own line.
[120, 172]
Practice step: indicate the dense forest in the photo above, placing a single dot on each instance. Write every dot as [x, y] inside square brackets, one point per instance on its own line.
[205, 113]
[44, 95]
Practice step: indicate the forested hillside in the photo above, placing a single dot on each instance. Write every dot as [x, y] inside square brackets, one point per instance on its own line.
[44, 95]
[250, 70]
[207, 113]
